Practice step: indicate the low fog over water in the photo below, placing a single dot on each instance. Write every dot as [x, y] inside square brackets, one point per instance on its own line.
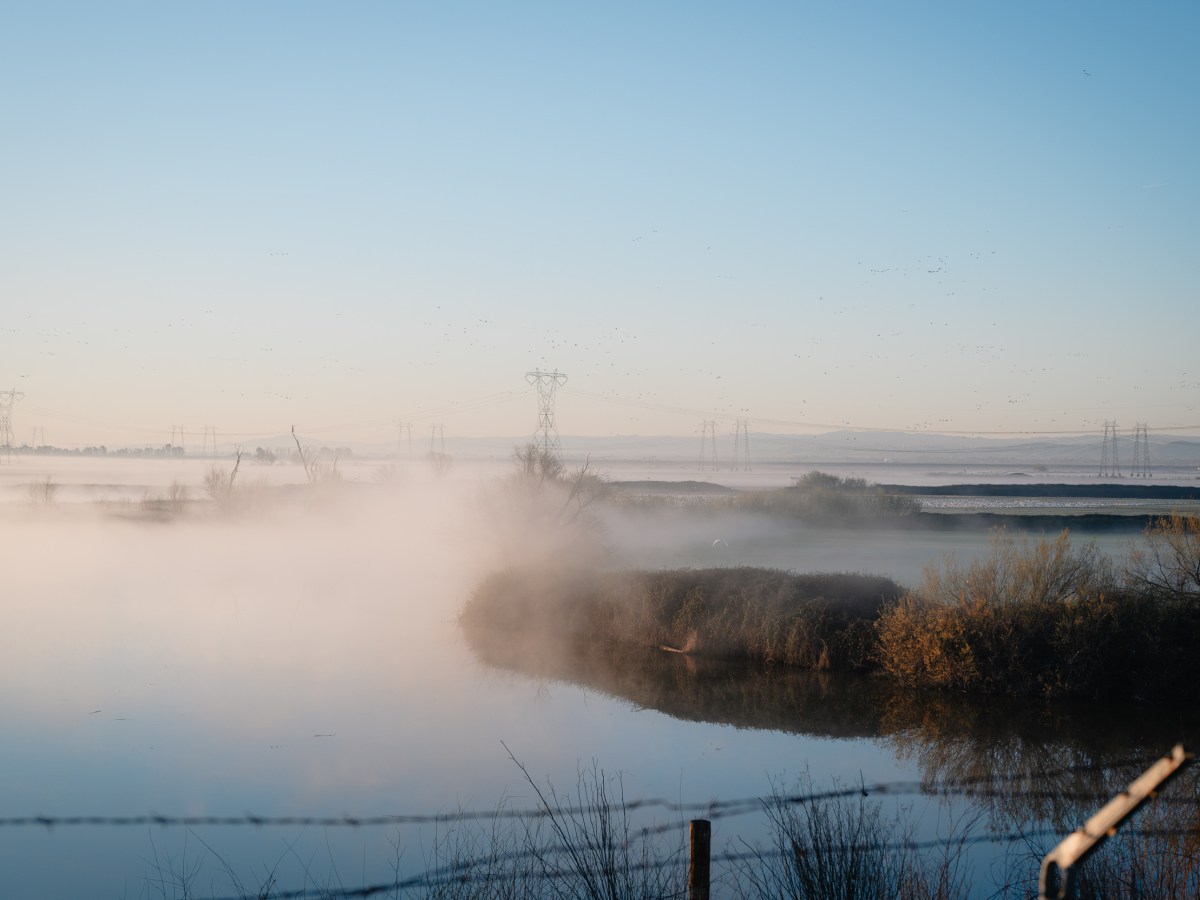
[300, 656]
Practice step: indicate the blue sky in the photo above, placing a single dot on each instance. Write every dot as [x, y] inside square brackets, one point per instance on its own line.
[969, 217]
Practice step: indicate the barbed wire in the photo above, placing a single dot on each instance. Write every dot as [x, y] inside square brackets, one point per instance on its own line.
[462, 873]
[714, 809]
[980, 786]
[540, 859]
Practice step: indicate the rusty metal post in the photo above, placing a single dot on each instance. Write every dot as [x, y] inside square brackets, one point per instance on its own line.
[699, 858]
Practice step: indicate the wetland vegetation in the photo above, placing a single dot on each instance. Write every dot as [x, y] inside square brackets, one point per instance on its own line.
[1031, 773]
[1035, 617]
[783, 670]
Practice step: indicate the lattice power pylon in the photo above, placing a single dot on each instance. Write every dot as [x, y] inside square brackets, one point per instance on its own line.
[210, 433]
[437, 440]
[7, 446]
[1110, 465]
[1140, 467]
[741, 444]
[403, 428]
[708, 445]
[545, 437]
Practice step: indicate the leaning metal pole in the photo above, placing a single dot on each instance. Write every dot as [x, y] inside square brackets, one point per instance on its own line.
[1058, 866]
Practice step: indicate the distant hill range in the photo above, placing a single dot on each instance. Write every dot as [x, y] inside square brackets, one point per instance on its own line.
[866, 448]
[893, 447]
[842, 447]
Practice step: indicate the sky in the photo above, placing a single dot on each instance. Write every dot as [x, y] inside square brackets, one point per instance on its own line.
[936, 216]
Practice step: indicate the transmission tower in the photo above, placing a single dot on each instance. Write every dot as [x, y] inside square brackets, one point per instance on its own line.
[437, 433]
[708, 445]
[1110, 465]
[545, 437]
[741, 444]
[178, 429]
[1141, 451]
[7, 399]
[403, 428]
[209, 430]
[38, 430]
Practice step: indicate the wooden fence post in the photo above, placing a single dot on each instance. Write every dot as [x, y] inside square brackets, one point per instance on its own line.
[698, 859]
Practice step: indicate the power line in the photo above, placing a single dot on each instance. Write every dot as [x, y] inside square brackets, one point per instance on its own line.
[387, 420]
[471, 405]
[850, 426]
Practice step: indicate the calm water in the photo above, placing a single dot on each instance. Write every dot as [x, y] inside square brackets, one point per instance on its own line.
[304, 659]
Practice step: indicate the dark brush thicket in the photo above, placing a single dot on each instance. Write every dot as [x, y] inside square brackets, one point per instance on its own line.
[819, 621]
[817, 498]
[1033, 618]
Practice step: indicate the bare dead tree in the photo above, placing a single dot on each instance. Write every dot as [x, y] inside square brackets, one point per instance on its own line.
[316, 470]
[219, 485]
[586, 488]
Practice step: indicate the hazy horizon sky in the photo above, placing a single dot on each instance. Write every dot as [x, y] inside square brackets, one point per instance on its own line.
[937, 216]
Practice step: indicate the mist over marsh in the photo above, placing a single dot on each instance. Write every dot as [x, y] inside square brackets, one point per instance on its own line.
[302, 656]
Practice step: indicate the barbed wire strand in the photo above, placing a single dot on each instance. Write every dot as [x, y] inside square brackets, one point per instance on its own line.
[712, 809]
[461, 873]
[484, 868]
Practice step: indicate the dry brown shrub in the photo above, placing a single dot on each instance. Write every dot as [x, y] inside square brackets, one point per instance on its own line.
[1167, 566]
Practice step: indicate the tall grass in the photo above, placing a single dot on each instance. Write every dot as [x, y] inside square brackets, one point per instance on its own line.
[817, 621]
[842, 846]
[43, 491]
[1035, 617]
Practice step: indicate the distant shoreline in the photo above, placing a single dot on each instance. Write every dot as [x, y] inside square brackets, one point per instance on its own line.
[1104, 491]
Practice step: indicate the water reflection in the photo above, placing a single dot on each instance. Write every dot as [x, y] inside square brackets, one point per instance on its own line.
[1020, 761]
[1026, 760]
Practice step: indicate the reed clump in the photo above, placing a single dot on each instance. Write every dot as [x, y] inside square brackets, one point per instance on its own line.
[1035, 617]
[816, 621]
[841, 844]
[584, 845]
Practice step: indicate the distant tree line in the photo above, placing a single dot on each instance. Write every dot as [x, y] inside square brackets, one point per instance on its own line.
[170, 451]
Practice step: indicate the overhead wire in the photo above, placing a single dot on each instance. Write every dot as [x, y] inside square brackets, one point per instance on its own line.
[512, 394]
[841, 426]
